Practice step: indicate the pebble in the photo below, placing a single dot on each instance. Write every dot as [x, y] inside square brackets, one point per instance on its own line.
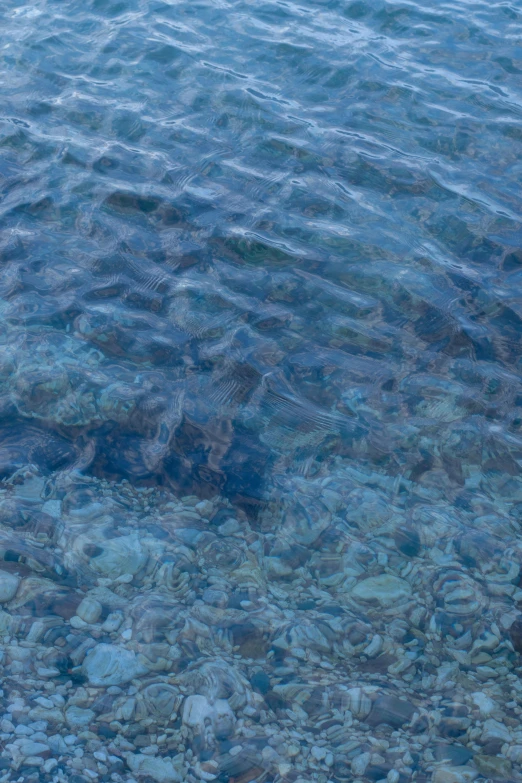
[89, 610]
[8, 586]
[483, 702]
[31, 748]
[112, 622]
[78, 718]
[204, 508]
[454, 775]
[229, 527]
[78, 623]
[360, 763]
[23, 730]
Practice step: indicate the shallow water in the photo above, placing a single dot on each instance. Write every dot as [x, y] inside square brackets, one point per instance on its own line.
[260, 407]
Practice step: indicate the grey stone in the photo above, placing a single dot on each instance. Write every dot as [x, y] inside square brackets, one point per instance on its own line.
[109, 664]
[493, 766]
[391, 710]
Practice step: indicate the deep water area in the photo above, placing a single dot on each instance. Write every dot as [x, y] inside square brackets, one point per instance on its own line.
[260, 391]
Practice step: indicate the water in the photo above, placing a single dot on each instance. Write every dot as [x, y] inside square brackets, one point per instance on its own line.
[261, 406]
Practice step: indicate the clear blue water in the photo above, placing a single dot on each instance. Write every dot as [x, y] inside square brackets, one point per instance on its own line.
[247, 248]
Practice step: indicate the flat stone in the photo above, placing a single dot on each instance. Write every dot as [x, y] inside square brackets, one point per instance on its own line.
[385, 590]
[493, 766]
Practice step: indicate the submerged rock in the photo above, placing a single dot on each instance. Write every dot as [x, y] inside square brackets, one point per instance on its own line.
[159, 769]
[109, 664]
[386, 590]
[8, 586]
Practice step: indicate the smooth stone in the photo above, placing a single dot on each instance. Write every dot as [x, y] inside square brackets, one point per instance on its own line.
[159, 769]
[89, 610]
[8, 586]
[109, 664]
[51, 716]
[77, 623]
[33, 761]
[493, 730]
[24, 731]
[453, 754]
[113, 622]
[385, 590]
[31, 748]
[78, 718]
[483, 702]
[57, 744]
[493, 766]
[454, 775]
[360, 763]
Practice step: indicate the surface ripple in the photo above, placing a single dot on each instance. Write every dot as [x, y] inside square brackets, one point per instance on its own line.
[322, 198]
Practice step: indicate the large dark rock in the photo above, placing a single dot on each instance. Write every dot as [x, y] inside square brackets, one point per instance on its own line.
[391, 710]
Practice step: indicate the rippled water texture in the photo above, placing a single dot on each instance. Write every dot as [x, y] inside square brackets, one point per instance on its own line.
[260, 351]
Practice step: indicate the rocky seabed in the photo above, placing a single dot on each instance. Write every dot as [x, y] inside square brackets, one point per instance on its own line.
[353, 633]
